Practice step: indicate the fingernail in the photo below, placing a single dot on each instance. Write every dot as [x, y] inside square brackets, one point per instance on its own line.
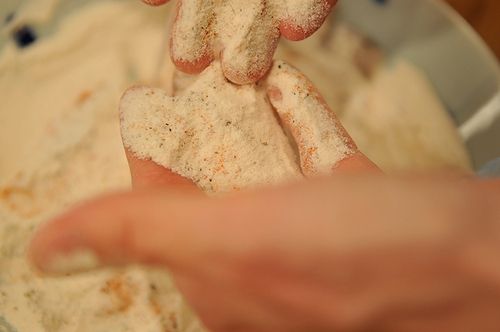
[75, 261]
[274, 94]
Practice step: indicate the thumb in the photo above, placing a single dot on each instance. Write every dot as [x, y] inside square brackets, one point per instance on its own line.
[156, 227]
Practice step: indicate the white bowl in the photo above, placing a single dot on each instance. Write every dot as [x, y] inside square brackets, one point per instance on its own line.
[463, 70]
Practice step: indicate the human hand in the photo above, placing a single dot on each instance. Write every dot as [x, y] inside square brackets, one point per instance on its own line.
[225, 143]
[350, 253]
[382, 254]
[245, 33]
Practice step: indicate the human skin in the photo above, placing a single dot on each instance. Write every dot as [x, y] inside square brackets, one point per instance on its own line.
[199, 34]
[356, 252]
[353, 251]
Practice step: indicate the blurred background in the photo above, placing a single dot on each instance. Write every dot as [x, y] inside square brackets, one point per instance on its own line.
[483, 15]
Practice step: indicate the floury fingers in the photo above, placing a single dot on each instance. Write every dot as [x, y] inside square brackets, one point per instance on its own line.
[221, 136]
[244, 34]
[226, 137]
[321, 140]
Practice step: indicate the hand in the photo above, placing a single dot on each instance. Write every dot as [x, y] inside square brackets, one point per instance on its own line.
[354, 252]
[350, 253]
[235, 161]
[246, 43]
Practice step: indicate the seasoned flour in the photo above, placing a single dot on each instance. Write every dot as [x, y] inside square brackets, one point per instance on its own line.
[60, 143]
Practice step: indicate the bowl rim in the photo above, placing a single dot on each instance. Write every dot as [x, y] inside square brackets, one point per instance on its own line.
[461, 23]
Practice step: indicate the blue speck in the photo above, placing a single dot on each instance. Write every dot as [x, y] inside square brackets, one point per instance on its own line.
[381, 2]
[24, 36]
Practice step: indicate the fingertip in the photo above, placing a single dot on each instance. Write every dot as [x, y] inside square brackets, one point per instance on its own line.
[299, 28]
[242, 69]
[356, 163]
[293, 32]
[193, 67]
[280, 68]
[37, 251]
[86, 237]
[242, 76]
[155, 2]
[191, 48]
[284, 82]
[149, 226]
[55, 249]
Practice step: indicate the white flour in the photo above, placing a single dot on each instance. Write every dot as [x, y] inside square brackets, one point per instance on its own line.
[60, 143]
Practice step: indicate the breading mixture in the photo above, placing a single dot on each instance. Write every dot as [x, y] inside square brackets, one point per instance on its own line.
[60, 143]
